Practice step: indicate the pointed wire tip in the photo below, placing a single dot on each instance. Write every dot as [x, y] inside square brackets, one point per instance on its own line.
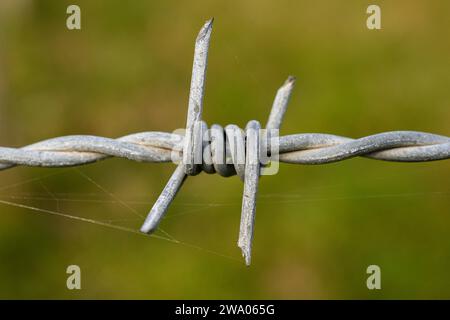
[290, 80]
[205, 31]
[288, 85]
[247, 255]
[246, 252]
[148, 229]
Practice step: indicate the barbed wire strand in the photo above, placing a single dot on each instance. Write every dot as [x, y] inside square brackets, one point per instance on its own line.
[304, 148]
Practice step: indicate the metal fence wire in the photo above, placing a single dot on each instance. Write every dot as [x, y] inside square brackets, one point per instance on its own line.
[303, 148]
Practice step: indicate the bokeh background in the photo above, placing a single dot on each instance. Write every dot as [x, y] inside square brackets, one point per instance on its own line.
[317, 227]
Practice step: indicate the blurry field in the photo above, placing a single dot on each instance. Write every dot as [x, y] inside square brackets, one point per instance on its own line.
[317, 227]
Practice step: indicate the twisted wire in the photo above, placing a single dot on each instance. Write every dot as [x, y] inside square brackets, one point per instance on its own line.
[304, 148]
[226, 150]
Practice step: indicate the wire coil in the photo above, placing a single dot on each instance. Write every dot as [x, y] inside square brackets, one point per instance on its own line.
[304, 148]
[226, 150]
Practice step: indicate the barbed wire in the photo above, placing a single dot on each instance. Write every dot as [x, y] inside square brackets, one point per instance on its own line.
[225, 154]
[304, 148]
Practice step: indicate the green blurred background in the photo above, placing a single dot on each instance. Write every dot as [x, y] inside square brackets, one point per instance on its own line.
[317, 227]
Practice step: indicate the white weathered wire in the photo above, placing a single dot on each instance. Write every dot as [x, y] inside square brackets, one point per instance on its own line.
[229, 144]
[193, 143]
[252, 166]
[303, 148]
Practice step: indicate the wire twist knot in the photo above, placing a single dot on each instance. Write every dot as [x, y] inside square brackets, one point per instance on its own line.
[227, 150]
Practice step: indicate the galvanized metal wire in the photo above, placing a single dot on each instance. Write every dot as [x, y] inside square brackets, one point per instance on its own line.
[303, 148]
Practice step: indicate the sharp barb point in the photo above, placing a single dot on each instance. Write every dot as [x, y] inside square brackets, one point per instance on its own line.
[205, 31]
[280, 104]
[246, 254]
[291, 80]
[157, 147]
[166, 197]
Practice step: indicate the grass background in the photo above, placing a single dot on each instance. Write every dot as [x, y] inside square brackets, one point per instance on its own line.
[317, 227]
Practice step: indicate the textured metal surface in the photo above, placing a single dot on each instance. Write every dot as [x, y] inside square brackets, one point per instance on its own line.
[192, 146]
[252, 165]
[304, 148]
[228, 152]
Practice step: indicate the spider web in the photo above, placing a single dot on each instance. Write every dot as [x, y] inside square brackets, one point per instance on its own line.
[129, 218]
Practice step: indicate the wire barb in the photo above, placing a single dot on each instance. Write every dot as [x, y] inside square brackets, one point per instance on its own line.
[192, 143]
[228, 151]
